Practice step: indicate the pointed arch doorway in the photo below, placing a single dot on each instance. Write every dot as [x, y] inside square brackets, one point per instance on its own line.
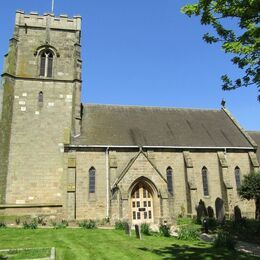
[142, 204]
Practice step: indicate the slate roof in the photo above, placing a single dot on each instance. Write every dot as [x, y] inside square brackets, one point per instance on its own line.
[155, 126]
[255, 135]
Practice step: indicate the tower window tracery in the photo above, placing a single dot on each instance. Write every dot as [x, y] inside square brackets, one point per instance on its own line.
[46, 63]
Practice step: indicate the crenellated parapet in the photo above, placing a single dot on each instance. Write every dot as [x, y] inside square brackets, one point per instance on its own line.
[62, 22]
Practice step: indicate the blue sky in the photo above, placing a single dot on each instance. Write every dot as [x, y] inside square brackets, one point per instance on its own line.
[145, 53]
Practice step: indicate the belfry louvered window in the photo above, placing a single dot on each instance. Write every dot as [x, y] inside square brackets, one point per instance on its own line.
[92, 180]
[237, 177]
[204, 173]
[46, 63]
[169, 179]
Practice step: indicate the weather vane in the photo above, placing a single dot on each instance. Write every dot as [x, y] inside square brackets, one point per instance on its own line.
[52, 6]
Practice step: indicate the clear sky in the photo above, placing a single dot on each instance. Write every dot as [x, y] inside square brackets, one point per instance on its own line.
[145, 52]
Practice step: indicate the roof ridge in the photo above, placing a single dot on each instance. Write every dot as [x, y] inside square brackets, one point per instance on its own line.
[151, 107]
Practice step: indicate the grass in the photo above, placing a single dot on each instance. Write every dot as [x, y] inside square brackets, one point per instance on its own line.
[27, 253]
[185, 221]
[111, 244]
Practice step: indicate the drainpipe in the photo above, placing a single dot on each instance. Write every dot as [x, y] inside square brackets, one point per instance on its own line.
[107, 182]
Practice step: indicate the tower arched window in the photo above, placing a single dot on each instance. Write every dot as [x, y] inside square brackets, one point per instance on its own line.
[169, 179]
[204, 174]
[46, 63]
[237, 177]
[92, 180]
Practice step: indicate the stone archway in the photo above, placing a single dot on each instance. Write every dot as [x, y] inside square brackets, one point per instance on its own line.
[142, 201]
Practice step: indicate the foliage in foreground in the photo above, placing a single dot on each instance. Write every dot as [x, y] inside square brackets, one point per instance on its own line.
[225, 240]
[188, 232]
[61, 224]
[145, 229]
[30, 224]
[120, 224]
[88, 224]
[250, 190]
[242, 40]
[2, 225]
[165, 230]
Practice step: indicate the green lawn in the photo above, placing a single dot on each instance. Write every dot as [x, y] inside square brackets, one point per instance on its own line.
[75, 244]
[26, 253]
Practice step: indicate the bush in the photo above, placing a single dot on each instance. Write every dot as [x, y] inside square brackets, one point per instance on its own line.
[120, 224]
[165, 230]
[30, 225]
[40, 220]
[59, 225]
[245, 229]
[212, 223]
[145, 229]
[2, 225]
[188, 233]
[226, 240]
[88, 224]
[17, 221]
[65, 222]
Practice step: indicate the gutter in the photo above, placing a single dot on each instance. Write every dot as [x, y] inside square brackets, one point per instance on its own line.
[162, 147]
[107, 183]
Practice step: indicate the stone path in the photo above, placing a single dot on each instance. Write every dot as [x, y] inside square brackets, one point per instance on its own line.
[248, 248]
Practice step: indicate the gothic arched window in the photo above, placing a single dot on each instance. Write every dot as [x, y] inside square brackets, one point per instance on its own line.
[237, 177]
[46, 63]
[204, 174]
[169, 179]
[92, 180]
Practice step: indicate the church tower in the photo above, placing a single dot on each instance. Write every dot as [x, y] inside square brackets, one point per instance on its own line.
[40, 111]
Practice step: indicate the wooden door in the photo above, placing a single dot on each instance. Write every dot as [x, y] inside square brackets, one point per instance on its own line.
[142, 205]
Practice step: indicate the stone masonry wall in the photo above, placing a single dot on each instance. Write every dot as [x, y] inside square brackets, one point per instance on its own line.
[90, 206]
[6, 103]
[5, 134]
[38, 129]
[36, 146]
[96, 208]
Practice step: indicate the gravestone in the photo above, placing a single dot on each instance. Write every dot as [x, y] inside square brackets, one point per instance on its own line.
[137, 231]
[201, 211]
[205, 224]
[237, 214]
[220, 210]
[210, 212]
[127, 229]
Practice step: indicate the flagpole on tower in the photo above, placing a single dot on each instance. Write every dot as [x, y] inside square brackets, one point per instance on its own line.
[52, 6]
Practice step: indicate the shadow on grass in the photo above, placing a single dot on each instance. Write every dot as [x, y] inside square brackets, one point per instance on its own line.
[188, 252]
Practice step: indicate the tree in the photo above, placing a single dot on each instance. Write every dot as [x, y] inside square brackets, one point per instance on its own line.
[243, 40]
[250, 189]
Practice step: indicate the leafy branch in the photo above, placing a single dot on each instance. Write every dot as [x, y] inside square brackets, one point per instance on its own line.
[243, 42]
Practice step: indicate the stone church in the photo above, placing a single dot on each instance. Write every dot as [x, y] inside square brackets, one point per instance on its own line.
[61, 158]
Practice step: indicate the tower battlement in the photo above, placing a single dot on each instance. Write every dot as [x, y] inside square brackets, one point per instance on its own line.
[62, 22]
